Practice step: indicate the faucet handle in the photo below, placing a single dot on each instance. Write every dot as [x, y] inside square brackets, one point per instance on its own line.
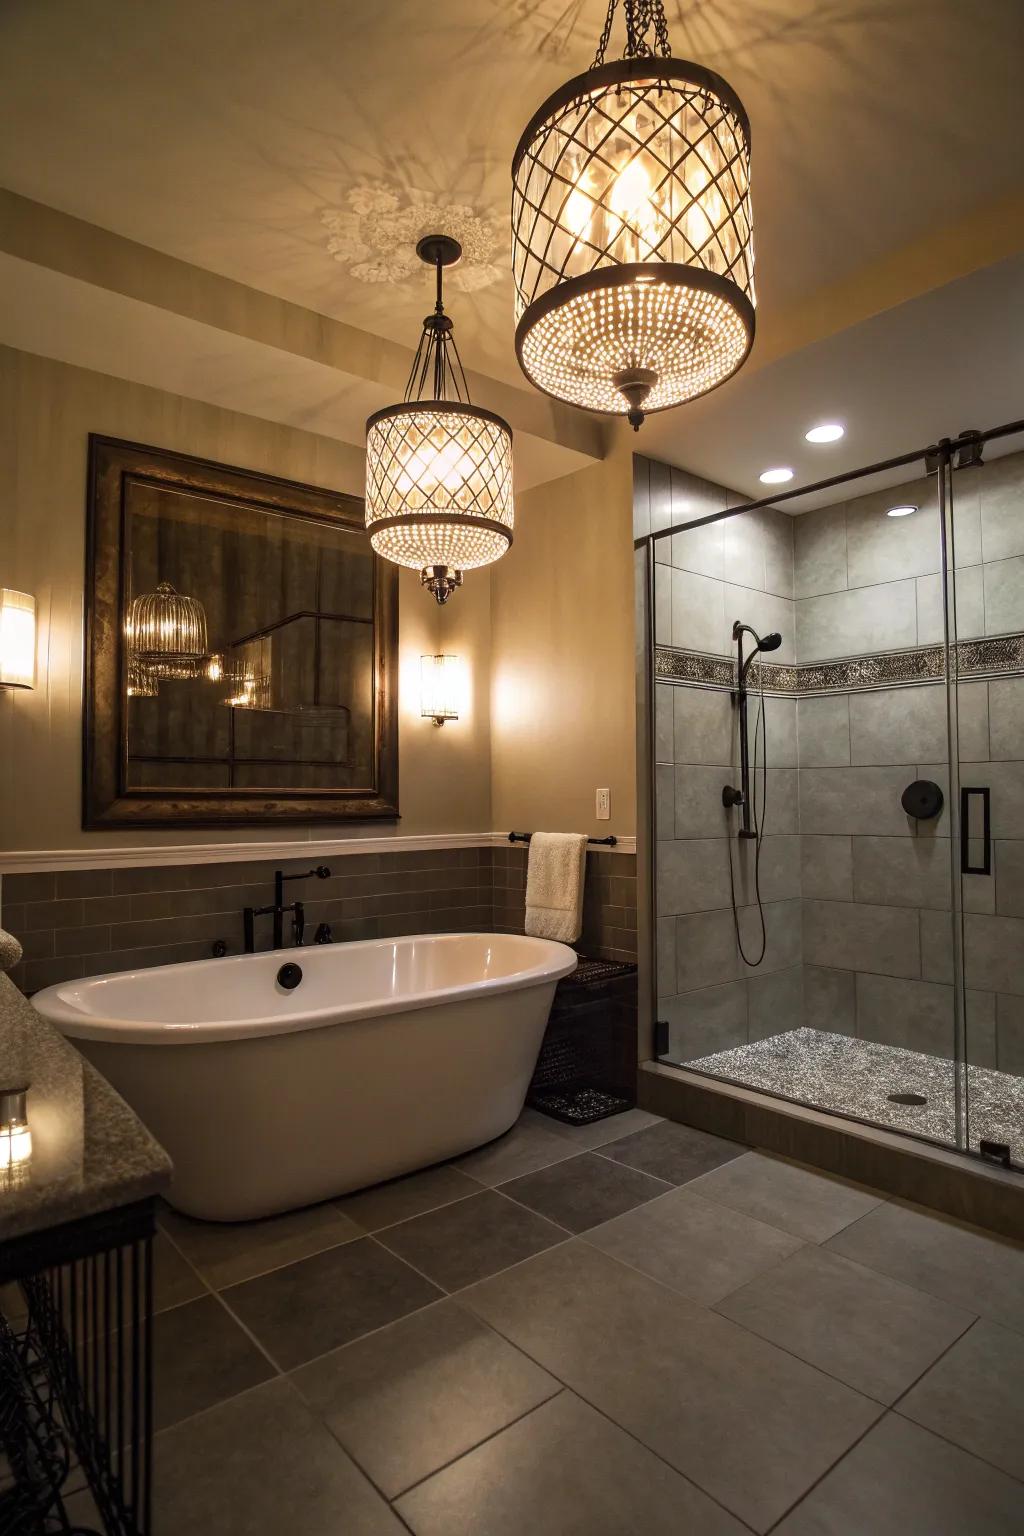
[322, 872]
[298, 923]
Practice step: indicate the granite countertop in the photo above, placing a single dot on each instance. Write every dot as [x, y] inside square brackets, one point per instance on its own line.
[90, 1152]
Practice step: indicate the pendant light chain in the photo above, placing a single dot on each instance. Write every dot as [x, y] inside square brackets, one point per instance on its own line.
[640, 17]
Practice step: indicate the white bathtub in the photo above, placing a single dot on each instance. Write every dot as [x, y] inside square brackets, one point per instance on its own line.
[389, 1055]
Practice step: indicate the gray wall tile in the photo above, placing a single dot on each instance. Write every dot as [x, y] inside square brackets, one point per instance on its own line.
[898, 725]
[915, 1015]
[826, 867]
[705, 950]
[778, 551]
[855, 800]
[1000, 499]
[665, 940]
[775, 1003]
[664, 801]
[972, 721]
[779, 872]
[664, 704]
[699, 809]
[693, 876]
[993, 950]
[1006, 717]
[704, 726]
[855, 937]
[1009, 877]
[784, 931]
[830, 1000]
[967, 623]
[699, 550]
[823, 726]
[882, 618]
[885, 549]
[936, 945]
[702, 1022]
[1010, 1034]
[819, 552]
[663, 605]
[981, 1029]
[1004, 596]
[698, 613]
[780, 721]
[901, 871]
[763, 611]
[743, 552]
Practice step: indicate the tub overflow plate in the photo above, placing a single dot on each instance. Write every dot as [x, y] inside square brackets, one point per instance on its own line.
[289, 975]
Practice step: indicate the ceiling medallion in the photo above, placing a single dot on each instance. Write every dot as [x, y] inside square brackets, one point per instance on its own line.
[375, 237]
[632, 249]
[438, 469]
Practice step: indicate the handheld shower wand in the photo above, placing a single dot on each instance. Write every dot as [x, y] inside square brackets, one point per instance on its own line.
[741, 796]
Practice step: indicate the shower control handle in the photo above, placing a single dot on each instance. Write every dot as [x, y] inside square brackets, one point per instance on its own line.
[731, 797]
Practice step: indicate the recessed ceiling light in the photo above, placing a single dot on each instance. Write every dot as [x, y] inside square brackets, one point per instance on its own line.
[776, 476]
[903, 510]
[828, 432]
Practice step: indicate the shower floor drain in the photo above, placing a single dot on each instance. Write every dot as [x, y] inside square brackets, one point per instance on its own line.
[907, 1098]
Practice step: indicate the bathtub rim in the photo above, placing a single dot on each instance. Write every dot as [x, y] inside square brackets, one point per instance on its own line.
[555, 961]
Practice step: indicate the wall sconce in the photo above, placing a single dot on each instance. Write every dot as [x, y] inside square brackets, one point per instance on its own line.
[17, 639]
[439, 688]
[15, 1136]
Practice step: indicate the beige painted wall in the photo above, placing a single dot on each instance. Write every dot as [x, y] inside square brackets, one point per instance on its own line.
[563, 719]
[47, 410]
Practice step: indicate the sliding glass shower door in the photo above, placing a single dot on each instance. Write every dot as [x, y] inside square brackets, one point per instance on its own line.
[838, 795]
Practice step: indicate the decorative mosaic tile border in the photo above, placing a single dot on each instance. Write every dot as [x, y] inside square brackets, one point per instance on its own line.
[998, 656]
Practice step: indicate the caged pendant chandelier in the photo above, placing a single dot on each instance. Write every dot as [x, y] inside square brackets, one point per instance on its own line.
[438, 469]
[632, 250]
[166, 634]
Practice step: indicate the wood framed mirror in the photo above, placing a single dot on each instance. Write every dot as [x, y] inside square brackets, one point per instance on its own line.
[241, 648]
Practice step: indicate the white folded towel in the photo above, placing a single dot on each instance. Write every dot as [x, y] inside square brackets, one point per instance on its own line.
[554, 885]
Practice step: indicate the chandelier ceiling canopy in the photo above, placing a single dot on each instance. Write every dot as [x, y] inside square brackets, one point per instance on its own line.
[438, 469]
[632, 248]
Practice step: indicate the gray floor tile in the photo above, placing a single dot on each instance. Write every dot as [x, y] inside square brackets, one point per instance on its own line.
[600, 1132]
[975, 1396]
[699, 1248]
[228, 1252]
[414, 1396]
[174, 1280]
[200, 1357]
[529, 1145]
[562, 1471]
[872, 1332]
[946, 1258]
[259, 1465]
[400, 1199]
[676, 1153]
[462, 1243]
[584, 1191]
[748, 1423]
[902, 1481]
[327, 1300]
[804, 1201]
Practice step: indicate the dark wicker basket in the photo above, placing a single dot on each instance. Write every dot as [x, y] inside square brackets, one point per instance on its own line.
[586, 1068]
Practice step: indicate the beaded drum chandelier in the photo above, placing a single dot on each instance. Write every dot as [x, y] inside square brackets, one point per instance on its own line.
[438, 469]
[631, 229]
[166, 633]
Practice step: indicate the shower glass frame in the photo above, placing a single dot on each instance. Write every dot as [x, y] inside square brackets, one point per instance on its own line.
[944, 462]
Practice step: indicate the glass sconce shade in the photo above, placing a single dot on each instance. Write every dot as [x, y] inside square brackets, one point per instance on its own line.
[439, 485]
[15, 1136]
[166, 631]
[632, 249]
[142, 683]
[17, 639]
[439, 688]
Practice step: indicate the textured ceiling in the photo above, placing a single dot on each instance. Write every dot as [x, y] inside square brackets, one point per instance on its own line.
[223, 133]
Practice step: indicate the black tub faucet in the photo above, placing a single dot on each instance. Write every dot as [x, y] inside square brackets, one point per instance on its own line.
[278, 910]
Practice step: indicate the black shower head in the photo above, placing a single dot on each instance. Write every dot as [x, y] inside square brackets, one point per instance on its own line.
[770, 642]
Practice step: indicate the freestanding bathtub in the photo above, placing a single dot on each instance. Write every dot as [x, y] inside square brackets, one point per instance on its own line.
[386, 1056]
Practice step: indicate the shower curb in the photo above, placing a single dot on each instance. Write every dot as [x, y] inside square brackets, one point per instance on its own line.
[952, 1183]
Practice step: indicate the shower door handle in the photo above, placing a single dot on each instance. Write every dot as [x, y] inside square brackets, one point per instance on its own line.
[966, 867]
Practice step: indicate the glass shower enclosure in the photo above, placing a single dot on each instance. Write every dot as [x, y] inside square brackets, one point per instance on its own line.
[835, 748]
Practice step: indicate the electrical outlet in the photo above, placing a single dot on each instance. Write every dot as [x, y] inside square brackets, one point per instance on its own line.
[604, 804]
